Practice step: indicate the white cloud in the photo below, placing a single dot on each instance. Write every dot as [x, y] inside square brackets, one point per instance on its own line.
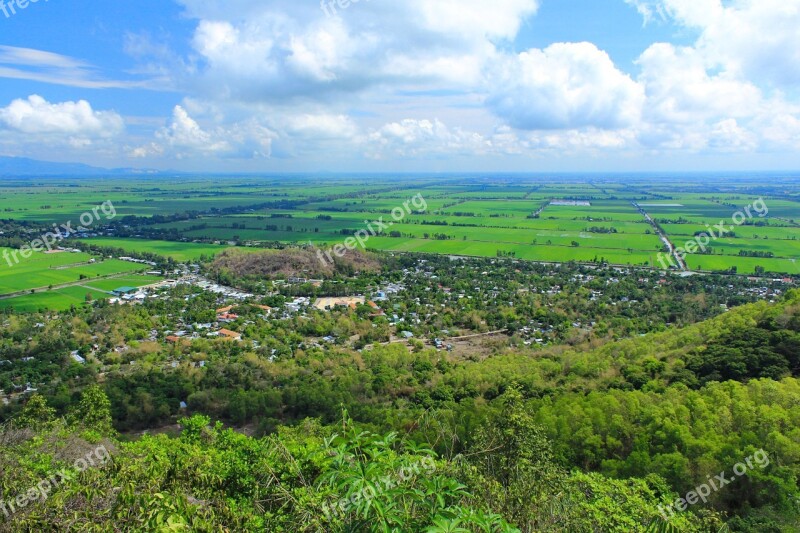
[46, 67]
[321, 127]
[285, 50]
[184, 138]
[422, 138]
[564, 86]
[680, 90]
[282, 77]
[76, 124]
[754, 39]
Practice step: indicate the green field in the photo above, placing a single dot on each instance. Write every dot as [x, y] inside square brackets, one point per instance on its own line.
[62, 299]
[179, 251]
[480, 215]
[42, 271]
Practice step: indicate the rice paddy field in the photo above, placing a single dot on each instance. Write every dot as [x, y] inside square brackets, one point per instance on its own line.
[587, 218]
[59, 280]
[179, 251]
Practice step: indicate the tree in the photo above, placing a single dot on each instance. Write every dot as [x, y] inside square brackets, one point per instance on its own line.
[515, 458]
[36, 414]
[94, 411]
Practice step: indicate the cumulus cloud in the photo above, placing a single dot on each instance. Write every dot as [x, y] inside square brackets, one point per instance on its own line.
[754, 39]
[183, 137]
[322, 126]
[283, 77]
[415, 138]
[681, 90]
[564, 86]
[76, 124]
[289, 50]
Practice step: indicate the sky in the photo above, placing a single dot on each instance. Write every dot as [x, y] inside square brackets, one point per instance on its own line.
[393, 86]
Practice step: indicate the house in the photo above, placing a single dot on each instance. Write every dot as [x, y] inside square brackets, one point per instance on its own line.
[224, 310]
[227, 317]
[229, 335]
[173, 339]
[376, 311]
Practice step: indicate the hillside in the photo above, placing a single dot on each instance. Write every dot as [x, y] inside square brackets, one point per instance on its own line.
[591, 440]
[292, 262]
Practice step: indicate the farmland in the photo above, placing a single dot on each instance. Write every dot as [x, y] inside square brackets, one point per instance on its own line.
[59, 280]
[538, 218]
[179, 251]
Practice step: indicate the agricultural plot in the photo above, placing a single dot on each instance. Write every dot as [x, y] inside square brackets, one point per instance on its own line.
[71, 275]
[56, 300]
[62, 299]
[42, 270]
[179, 251]
[481, 215]
[770, 242]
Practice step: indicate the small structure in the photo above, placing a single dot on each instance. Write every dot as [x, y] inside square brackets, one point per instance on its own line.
[124, 291]
[229, 335]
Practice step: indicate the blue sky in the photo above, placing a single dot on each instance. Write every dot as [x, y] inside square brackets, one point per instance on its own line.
[423, 85]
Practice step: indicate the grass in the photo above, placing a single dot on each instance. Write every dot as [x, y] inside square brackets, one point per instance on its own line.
[42, 270]
[179, 251]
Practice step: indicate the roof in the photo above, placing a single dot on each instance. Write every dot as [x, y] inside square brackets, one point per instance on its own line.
[230, 334]
[125, 290]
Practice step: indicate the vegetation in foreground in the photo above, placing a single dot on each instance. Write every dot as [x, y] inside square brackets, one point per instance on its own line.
[313, 478]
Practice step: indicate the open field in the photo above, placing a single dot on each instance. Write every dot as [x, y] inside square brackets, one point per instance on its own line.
[61, 299]
[487, 215]
[42, 270]
[72, 276]
[179, 251]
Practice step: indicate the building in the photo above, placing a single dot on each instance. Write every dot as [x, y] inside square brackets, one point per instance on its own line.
[229, 335]
[123, 291]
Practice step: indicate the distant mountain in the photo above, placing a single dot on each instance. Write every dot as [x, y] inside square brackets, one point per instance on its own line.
[22, 166]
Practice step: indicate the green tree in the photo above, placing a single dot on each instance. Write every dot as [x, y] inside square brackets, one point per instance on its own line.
[36, 414]
[515, 458]
[94, 411]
